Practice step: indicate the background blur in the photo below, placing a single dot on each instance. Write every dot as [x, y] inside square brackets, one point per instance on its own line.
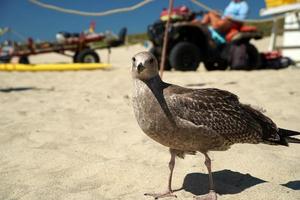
[33, 21]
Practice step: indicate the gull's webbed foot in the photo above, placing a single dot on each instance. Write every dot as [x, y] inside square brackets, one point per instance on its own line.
[161, 195]
[212, 195]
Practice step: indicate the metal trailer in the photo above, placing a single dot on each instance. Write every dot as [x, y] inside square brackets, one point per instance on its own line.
[81, 45]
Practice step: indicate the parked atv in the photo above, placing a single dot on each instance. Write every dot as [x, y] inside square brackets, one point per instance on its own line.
[189, 45]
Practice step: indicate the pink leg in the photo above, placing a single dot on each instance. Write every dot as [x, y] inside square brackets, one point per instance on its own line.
[208, 166]
[169, 192]
[212, 194]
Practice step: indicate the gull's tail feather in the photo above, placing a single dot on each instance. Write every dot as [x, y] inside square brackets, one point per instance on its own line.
[285, 136]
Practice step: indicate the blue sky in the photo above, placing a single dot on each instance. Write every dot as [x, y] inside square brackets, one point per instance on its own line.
[40, 23]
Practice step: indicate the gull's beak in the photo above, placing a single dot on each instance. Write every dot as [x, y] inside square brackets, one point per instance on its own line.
[140, 68]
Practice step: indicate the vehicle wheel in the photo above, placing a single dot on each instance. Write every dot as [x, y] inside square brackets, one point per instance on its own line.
[5, 59]
[75, 57]
[155, 51]
[216, 65]
[254, 58]
[185, 56]
[87, 56]
[24, 60]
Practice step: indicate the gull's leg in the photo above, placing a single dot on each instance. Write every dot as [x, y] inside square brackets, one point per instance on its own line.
[169, 192]
[212, 194]
[208, 165]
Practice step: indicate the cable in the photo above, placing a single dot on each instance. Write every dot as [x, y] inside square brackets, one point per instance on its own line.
[22, 37]
[202, 5]
[96, 14]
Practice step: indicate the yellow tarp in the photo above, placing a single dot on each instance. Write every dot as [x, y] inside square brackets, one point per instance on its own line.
[274, 3]
[53, 67]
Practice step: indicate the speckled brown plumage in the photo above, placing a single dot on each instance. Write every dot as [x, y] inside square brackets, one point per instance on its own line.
[190, 120]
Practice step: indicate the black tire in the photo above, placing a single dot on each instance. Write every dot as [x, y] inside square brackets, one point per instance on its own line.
[75, 56]
[5, 59]
[157, 53]
[216, 65]
[87, 56]
[185, 56]
[24, 60]
[254, 58]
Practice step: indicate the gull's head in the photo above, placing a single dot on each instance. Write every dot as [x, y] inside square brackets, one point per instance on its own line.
[144, 66]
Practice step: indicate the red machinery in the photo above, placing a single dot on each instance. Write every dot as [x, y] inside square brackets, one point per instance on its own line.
[82, 45]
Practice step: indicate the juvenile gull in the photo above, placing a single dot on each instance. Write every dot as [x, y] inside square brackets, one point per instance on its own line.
[196, 120]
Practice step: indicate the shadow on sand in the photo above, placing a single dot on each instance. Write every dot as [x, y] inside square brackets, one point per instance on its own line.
[226, 182]
[294, 185]
[20, 89]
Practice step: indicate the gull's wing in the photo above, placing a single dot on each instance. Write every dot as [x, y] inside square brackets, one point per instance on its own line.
[216, 110]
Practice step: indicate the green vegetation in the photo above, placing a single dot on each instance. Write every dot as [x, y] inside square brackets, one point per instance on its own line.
[131, 39]
[137, 38]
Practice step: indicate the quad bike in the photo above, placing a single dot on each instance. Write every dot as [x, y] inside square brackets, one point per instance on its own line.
[189, 45]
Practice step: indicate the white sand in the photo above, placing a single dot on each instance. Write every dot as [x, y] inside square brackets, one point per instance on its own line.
[73, 135]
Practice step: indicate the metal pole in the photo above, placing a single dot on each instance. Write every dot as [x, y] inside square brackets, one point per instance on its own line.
[273, 38]
[164, 49]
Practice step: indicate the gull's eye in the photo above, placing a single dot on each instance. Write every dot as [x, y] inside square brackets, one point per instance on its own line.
[133, 59]
[151, 60]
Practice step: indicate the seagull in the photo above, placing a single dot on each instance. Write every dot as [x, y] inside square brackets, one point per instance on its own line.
[196, 120]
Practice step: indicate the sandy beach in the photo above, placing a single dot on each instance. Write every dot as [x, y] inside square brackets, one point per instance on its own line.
[73, 136]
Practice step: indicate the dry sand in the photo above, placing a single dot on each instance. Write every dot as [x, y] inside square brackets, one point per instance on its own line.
[73, 135]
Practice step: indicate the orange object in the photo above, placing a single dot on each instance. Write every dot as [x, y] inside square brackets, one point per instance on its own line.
[92, 27]
[236, 29]
[246, 28]
[178, 13]
[275, 3]
[230, 34]
[272, 54]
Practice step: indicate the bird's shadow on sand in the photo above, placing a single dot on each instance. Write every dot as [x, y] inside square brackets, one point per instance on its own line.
[226, 182]
[294, 185]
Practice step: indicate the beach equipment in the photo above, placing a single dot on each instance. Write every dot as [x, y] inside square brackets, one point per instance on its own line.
[290, 10]
[275, 3]
[189, 45]
[53, 67]
[79, 46]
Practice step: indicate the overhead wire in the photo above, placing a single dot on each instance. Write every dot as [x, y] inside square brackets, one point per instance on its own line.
[95, 14]
[136, 6]
[21, 36]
